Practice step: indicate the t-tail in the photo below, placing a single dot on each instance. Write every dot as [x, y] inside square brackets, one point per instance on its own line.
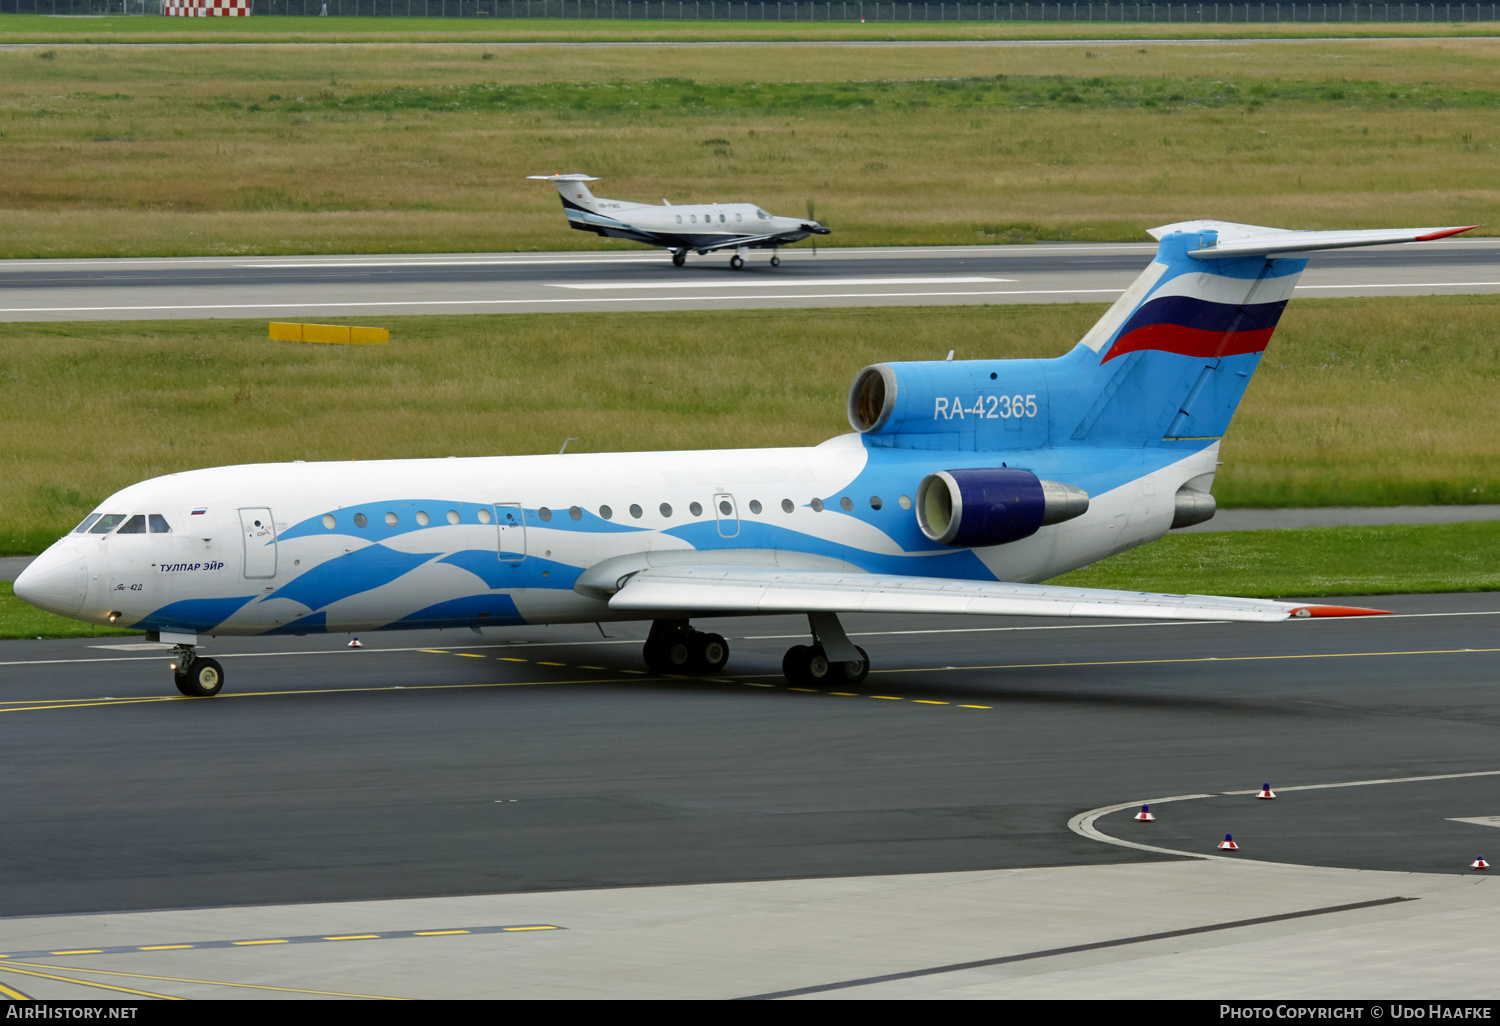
[1165, 365]
[571, 189]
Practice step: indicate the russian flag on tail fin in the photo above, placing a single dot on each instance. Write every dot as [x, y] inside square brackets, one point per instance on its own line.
[1195, 323]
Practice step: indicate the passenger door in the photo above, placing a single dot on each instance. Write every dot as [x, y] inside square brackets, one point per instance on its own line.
[511, 521]
[259, 532]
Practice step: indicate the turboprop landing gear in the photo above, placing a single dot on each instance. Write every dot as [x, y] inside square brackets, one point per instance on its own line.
[679, 257]
[674, 647]
[195, 677]
[831, 659]
[775, 260]
[736, 262]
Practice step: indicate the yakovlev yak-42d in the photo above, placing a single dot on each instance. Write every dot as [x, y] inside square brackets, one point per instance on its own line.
[702, 228]
[962, 484]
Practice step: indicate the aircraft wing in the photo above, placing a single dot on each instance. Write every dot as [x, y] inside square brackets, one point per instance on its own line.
[743, 240]
[707, 590]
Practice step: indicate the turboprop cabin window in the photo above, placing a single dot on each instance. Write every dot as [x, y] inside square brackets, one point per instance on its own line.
[159, 524]
[679, 218]
[135, 525]
[108, 523]
[88, 522]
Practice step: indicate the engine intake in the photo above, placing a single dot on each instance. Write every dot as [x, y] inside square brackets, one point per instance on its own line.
[988, 506]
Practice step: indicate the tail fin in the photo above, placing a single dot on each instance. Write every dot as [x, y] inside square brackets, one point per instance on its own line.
[575, 195]
[1174, 354]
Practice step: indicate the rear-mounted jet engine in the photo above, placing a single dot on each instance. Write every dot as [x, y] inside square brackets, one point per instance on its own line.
[989, 506]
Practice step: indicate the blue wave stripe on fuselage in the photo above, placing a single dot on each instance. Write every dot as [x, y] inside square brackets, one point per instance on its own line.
[959, 563]
[192, 616]
[350, 574]
[316, 623]
[496, 573]
[473, 610]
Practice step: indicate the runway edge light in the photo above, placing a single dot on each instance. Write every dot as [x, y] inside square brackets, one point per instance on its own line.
[1479, 863]
[355, 643]
[1228, 843]
[1265, 791]
[1145, 815]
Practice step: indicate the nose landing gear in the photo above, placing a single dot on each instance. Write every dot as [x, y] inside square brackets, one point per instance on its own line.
[675, 647]
[196, 677]
[679, 257]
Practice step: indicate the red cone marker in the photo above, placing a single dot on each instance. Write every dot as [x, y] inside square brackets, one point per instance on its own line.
[1145, 815]
[1228, 843]
[1265, 791]
[1479, 863]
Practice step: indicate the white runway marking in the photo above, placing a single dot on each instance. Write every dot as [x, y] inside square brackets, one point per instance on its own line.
[823, 282]
[1083, 823]
[511, 262]
[362, 304]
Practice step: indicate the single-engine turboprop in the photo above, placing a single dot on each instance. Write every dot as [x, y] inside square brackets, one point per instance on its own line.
[962, 484]
[701, 228]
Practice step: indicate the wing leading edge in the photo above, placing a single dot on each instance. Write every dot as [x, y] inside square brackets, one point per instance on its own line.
[729, 589]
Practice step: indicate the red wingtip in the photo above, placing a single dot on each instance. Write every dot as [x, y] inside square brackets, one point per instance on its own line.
[1444, 233]
[1305, 611]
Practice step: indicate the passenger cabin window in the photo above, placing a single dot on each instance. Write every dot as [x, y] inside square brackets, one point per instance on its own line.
[159, 524]
[679, 218]
[108, 523]
[135, 525]
[88, 522]
[722, 218]
[693, 218]
[739, 217]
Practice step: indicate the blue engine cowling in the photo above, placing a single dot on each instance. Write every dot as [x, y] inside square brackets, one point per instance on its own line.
[991, 506]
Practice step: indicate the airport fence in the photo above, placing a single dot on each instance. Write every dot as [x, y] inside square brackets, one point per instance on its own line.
[710, 10]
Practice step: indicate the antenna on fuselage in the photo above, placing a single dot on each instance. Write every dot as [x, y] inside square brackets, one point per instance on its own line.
[950, 355]
[565, 445]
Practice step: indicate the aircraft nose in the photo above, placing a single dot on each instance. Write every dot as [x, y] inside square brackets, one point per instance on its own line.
[56, 581]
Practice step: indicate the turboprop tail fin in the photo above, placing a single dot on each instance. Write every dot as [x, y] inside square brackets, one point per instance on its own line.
[1175, 352]
[575, 195]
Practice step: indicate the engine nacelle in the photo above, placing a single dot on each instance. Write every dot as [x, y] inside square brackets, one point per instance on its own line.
[942, 404]
[989, 506]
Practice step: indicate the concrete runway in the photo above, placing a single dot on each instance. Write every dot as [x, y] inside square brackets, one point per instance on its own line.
[640, 279]
[735, 837]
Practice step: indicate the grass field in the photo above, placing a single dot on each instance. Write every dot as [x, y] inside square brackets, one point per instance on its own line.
[1358, 401]
[1258, 564]
[279, 149]
[262, 29]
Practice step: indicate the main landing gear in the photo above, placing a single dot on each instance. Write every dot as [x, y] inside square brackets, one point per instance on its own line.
[679, 257]
[196, 677]
[675, 647]
[831, 659]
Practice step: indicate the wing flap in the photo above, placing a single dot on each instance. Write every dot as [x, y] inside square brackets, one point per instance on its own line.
[735, 589]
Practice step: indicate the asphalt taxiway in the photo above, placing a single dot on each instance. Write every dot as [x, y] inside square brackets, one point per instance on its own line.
[672, 829]
[639, 279]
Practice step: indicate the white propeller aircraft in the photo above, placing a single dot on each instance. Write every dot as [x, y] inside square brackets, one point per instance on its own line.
[962, 483]
[702, 228]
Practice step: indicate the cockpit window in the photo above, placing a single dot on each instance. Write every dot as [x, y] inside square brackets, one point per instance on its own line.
[135, 525]
[762, 214]
[107, 523]
[159, 524]
[88, 522]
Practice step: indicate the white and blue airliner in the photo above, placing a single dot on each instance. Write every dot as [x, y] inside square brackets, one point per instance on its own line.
[962, 485]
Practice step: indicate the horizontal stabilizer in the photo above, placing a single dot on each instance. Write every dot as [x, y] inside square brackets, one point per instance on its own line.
[748, 589]
[566, 178]
[1244, 240]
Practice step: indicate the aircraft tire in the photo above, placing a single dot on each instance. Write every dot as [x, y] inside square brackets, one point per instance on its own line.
[792, 663]
[655, 657]
[204, 679]
[816, 667]
[856, 670]
[775, 260]
[736, 262]
[678, 259]
[711, 652]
